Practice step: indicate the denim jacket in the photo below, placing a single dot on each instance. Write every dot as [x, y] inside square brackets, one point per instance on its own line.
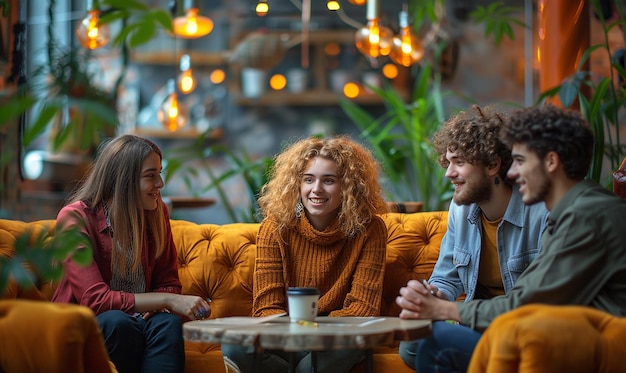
[518, 236]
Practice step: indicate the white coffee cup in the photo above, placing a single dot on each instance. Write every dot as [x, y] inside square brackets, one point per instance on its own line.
[302, 303]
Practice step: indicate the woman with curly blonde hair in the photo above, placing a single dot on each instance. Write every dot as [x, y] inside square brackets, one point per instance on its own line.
[320, 229]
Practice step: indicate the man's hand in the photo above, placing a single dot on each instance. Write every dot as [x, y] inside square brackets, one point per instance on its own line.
[418, 302]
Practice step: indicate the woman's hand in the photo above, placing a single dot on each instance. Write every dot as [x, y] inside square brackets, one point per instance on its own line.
[192, 306]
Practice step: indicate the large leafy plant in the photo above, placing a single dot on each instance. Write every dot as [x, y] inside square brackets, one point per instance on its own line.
[400, 140]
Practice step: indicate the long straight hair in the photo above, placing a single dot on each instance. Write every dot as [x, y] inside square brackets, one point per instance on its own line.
[113, 182]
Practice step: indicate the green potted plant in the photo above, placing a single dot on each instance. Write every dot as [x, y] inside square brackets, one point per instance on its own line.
[400, 140]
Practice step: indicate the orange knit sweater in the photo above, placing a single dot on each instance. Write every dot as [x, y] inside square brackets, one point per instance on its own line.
[347, 271]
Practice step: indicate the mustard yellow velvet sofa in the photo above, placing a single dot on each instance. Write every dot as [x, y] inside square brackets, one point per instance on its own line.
[217, 261]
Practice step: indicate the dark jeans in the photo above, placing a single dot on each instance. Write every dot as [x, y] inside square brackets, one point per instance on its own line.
[448, 349]
[137, 345]
[275, 361]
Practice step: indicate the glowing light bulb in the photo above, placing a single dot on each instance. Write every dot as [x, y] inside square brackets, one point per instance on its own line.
[351, 90]
[90, 33]
[217, 76]
[278, 82]
[186, 80]
[357, 2]
[333, 5]
[390, 71]
[262, 7]
[192, 25]
[172, 113]
[373, 40]
[407, 49]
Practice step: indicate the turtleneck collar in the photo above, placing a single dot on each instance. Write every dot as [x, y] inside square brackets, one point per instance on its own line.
[329, 236]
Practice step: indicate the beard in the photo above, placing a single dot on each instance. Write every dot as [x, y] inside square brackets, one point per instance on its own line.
[474, 192]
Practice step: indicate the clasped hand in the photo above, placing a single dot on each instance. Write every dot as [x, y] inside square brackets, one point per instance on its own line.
[420, 301]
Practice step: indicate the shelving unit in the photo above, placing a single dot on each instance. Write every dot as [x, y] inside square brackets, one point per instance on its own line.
[320, 94]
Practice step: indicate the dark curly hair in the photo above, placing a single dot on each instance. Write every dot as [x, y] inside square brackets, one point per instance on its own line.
[549, 128]
[475, 136]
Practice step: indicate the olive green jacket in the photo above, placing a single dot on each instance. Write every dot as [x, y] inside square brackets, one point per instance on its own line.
[582, 260]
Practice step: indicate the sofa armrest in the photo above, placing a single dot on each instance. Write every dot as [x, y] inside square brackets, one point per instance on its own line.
[545, 339]
[50, 337]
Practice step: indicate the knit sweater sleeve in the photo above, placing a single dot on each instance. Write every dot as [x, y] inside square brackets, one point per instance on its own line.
[269, 282]
[365, 294]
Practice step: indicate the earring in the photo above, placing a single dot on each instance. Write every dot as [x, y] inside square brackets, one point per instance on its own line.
[496, 181]
[299, 209]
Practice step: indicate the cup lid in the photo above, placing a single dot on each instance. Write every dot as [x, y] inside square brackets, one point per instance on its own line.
[303, 291]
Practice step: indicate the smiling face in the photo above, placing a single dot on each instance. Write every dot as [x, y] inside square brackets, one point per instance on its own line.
[150, 183]
[320, 190]
[528, 172]
[471, 182]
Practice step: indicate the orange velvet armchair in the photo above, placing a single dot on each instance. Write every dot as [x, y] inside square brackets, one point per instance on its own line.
[49, 337]
[545, 339]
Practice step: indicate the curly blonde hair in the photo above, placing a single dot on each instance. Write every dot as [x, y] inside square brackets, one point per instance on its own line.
[357, 169]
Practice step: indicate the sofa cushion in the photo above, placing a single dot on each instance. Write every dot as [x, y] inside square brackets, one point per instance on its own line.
[217, 261]
[412, 250]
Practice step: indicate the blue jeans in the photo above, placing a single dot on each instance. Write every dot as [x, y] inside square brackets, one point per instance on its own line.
[276, 361]
[138, 345]
[408, 351]
[448, 349]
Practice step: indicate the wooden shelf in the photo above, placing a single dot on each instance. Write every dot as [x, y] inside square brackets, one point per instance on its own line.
[308, 98]
[182, 134]
[168, 58]
[181, 202]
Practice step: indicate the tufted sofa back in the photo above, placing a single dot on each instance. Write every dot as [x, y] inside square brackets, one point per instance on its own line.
[217, 261]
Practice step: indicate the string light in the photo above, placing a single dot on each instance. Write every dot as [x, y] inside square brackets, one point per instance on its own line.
[186, 79]
[192, 25]
[333, 5]
[262, 7]
[278, 82]
[89, 32]
[390, 71]
[172, 114]
[217, 76]
[407, 48]
[351, 90]
[373, 40]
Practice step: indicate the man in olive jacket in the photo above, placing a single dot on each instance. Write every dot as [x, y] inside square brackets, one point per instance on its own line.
[583, 258]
